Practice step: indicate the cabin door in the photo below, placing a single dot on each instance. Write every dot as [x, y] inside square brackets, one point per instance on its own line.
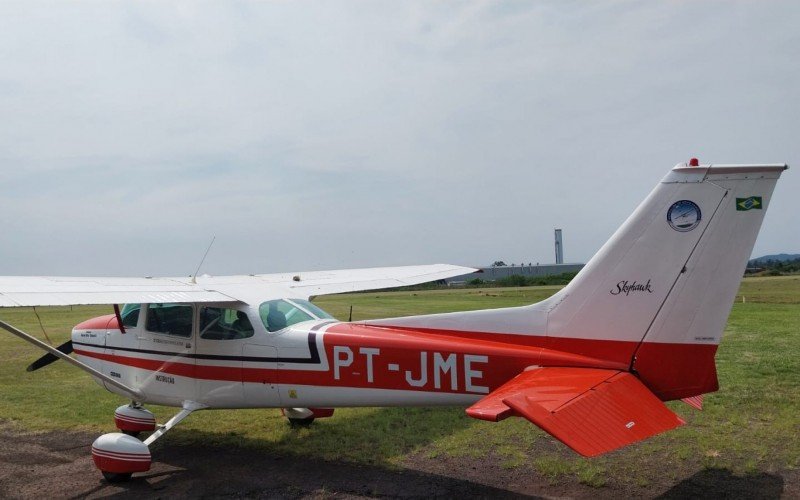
[165, 358]
[224, 333]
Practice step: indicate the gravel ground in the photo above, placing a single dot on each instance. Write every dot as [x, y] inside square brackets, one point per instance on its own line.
[59, 465]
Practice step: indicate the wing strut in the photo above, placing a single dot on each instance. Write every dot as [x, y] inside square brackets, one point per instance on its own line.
[138, 396]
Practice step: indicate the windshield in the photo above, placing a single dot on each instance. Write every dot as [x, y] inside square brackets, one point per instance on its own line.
[130, 315]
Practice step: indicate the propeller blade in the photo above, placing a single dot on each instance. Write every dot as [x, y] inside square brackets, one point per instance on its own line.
[48, 358]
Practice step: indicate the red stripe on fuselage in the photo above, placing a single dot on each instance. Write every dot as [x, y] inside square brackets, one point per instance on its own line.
[363, 356]
[183, 369]
[671, 370]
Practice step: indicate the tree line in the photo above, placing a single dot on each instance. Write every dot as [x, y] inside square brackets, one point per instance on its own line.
[772, 267]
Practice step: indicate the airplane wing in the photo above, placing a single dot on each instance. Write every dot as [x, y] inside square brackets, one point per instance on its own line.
[593, 411]
[16, 291]
[354, 280]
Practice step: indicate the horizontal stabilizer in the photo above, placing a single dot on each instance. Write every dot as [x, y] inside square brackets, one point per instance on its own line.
[593, 411]
[551, 388]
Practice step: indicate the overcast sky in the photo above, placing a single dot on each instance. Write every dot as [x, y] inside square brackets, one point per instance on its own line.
[351, 134]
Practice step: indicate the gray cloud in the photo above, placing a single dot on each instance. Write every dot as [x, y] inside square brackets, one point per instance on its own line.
[328, 135]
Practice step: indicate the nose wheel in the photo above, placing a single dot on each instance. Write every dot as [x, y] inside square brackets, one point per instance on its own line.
[301, 422]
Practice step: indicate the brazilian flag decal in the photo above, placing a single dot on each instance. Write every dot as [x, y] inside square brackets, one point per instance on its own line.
[750, 203]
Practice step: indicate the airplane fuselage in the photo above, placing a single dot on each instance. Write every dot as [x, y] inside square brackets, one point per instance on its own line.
[316, 363]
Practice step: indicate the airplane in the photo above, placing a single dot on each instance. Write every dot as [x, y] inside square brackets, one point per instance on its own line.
[591, 365]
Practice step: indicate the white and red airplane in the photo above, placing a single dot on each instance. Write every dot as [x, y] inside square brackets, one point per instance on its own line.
[591, 365]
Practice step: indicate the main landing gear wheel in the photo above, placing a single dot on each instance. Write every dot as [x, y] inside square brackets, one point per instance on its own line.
[301, 422]
[298, 417]
[118, 456]
[303, 417]
[117, 477]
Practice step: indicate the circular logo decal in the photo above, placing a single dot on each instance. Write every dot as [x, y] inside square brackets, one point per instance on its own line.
[683, 215]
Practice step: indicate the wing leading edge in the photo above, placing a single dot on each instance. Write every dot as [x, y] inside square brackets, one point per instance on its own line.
[18, 291]
[593, 411]
[354, 280]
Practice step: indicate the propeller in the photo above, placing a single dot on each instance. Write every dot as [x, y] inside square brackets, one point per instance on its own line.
[48, 358]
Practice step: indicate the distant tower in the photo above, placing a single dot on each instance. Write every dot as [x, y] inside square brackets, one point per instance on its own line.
[559, 248]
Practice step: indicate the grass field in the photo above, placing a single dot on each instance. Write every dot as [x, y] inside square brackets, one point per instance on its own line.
[751, 425]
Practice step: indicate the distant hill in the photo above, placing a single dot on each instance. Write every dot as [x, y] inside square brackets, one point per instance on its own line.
[781, 257]
[775, 265]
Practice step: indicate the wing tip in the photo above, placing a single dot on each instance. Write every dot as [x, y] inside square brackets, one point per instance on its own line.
[489, 414]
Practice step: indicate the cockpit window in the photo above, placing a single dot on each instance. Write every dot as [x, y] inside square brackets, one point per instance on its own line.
[130, 315]
[278, 314]
[312, 308]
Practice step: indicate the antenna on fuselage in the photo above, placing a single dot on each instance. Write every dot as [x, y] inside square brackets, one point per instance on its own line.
[194, 276]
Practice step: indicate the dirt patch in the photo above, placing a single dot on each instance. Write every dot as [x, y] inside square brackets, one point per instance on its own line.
[58, 464]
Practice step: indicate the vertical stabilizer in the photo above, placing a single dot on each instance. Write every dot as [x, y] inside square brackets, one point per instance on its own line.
[665, 281]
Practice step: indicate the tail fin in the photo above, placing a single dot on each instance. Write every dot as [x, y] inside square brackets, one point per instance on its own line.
[682, 251]
[659, 292]
[666, 280]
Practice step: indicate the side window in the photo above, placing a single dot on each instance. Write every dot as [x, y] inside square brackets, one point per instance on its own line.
[278, 314]
[170, 319]
[217, 323]
[130, 315]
